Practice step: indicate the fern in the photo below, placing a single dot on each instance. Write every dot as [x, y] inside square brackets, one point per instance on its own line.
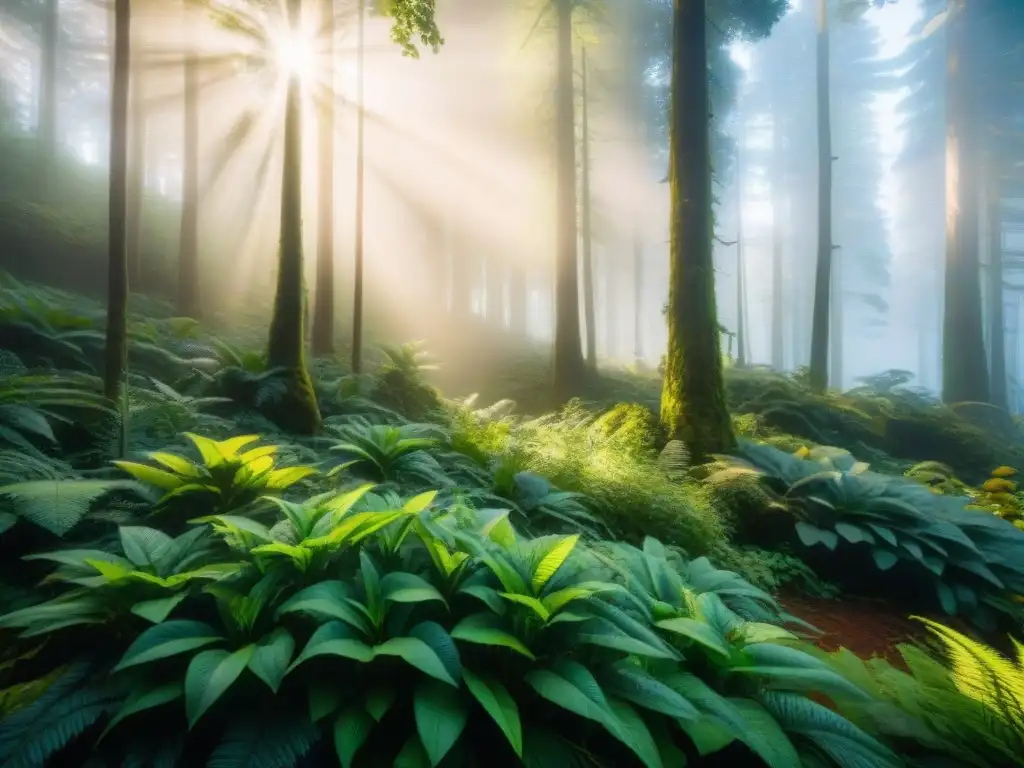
[58, 505]
[277, 742]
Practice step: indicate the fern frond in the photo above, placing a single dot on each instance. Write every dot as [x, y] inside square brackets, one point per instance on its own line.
[278, 742]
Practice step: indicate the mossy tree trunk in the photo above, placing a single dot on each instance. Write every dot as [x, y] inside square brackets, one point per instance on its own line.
[297, 410]
[693, 406]
[188, 249]
[116, 348]
[590, 316]
[964, 364]
[997, 327]
[323, 317]
[568, 367]
[47, 110]
[821, 316]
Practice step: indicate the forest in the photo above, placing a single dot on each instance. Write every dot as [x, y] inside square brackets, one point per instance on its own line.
[449, 383]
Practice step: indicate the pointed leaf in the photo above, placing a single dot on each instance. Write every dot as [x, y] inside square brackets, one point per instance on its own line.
[271, 657]
[167, 639]
[209, 675]
[441, 716]
[499, 704]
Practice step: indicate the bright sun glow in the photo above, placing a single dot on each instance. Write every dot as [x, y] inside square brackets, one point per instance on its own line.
[295, 56]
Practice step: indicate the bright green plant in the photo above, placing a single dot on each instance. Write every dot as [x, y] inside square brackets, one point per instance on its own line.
[227, 477]
[389, 453]
[407, 635]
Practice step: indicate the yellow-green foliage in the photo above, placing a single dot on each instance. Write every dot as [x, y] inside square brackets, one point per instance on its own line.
[999, 495]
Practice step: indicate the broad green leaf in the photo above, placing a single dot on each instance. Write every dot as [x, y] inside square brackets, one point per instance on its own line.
[351, 730]
[854, 533]
[271, 657]
[335, 638]
[499, 704]
[413, 755]
[229, 448]
[490, 597]
[556, 601]
[167, 639]
[697, 631]
[157, 477]
[797, 679]
[532, 603]
[279, 479]
[763, 734]
[441, 716]
[247, 457]
[884, 558]
[140, 701]
[178, 464]
[157, 610]
[207, 449]
[634, 685]
[417, 504]
[402, 587]
[571, 687]
[811, 535]
[142, 545]
[487, 629]
[632, 731]
[418, 654]
[209, 675]
[379, 701]
[329, 599]
[553, 560]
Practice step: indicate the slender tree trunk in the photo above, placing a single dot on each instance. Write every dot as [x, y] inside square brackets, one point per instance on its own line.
[116, 349]
[779, 200]
[590, 315]
[323, 317]
[568, 365]
[495, 284]
[997, 328]
[188, 253]
[693, 405]
[836, 333]
[517, 301]
[823, 271]
[136, 164]
[47, 110]
[741, 331]
[964, 364]
[298, 410]
[357, 292]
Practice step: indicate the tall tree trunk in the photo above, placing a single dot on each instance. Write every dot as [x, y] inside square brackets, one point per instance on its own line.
[568, 365]
[357, 291]
[590, 316]
[693, 405]
[495, 293]
[116, 349]
[136, 163]
[823, 272]
[517, 301]
[188, 252]
[741, 331]
[964, 364]
[298, 410]
[836, 319]
[323, 317]
[47, 109]
[779, 205]
[997, 328]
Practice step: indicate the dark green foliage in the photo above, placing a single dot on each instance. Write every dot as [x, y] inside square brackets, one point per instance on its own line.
[863, 524]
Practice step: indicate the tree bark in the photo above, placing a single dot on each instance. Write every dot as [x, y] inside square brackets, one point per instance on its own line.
[823, 272]
[693, 405]
[136, 164]
[568, 364]
[323, 317]
[357, 289]
[590, 316]
[298, 410]
[997, 327]
[47, 109]
[188, 253]
[964, 364]
[741, 331]
[116, 348]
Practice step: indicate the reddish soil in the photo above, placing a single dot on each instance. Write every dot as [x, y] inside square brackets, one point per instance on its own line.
[866, 627]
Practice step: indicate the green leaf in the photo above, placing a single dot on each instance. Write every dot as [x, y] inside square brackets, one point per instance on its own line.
[636, 686]
[328, 599]
[487, 629]
[209, 675]
[402, 587]
[697, 631]
[167, 639]
[884, 558]
[140, 701]
[854, 533]
[810, 535]
[271, 656]
[633, 732]
[441, 716]
[178, 464]
[947, 598]
[417, 504]
[418, 654]
[499, 704]
[143, 545]
[163, 480]
[157, 610]
[351, 730]
[379, 701]
[765, 736]
[553, 560]
[335, 638]
[570, 686]
[532, 603]
[413, 755]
